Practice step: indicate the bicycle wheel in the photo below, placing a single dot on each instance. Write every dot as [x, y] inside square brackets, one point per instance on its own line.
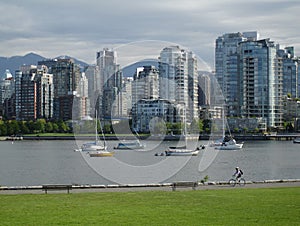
[232, 182]
[242, 182]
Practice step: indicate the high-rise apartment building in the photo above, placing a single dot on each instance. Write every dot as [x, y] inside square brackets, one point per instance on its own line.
[226, 66]
[107, 62]
[110, 84]
[173, 72]
[127, 96]
[66, 76]
[92, 73]
[145, 84]
[291, 73]
[34, 93]
[81, 103]
[261, 81]
[204, 91]
[6, 90]
[250, 74]
[178, 79]
[193, 106]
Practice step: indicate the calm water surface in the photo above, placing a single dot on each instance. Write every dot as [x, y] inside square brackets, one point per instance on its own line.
[40, 162]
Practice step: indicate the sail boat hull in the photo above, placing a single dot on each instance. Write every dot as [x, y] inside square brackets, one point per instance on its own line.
[130, 145]
[101, 154]
[230, 147]
[182, 152]
[92, 147]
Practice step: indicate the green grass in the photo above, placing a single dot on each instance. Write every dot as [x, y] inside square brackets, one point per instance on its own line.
[272, 206]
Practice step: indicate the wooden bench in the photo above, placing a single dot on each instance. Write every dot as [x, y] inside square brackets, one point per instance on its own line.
[184, 184]
[47, 187]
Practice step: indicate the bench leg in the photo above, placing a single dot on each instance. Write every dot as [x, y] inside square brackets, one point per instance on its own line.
[173, 188]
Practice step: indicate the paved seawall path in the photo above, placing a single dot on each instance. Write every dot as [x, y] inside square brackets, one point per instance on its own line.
[150, 187]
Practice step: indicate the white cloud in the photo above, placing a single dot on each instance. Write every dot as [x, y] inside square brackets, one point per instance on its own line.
[81, 28]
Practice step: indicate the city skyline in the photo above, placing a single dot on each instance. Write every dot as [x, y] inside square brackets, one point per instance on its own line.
[176, 65]
[79, 29]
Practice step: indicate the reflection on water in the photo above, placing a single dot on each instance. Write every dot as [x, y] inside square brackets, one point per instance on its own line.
[39, 162]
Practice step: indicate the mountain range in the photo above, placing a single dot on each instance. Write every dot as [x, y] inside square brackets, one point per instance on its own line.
[13, 63]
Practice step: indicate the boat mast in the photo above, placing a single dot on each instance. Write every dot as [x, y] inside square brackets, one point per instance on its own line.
[96, 129]
[103, 137]
[223, 121]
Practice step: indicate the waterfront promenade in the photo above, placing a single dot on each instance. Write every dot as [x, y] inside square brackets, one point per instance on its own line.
[150, 187]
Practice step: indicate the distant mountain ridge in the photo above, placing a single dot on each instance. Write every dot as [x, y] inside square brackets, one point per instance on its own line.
[130, 70]
[13, 63]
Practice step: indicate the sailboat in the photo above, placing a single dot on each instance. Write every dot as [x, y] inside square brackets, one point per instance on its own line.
[226, 142]
[130, 144]
[182, 151]
[97, 148]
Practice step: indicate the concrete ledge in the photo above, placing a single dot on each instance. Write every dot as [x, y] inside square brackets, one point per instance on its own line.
[154, 185]
[273, 181]
[20, 187]
[112, 186]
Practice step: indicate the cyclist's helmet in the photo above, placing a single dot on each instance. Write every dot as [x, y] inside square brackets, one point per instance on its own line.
[237, 167]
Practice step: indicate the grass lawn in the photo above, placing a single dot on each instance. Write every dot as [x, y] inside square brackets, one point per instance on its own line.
[272, 206]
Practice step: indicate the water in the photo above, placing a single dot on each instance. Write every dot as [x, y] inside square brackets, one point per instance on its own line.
[42, 162]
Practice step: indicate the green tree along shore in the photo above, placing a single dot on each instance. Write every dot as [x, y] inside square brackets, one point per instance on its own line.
[14, 127]
[259, 206]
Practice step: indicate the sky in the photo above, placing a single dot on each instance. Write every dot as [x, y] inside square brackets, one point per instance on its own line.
[81, 28]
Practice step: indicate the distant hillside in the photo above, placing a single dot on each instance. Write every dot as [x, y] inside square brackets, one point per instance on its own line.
[129, 71]
[13, 63]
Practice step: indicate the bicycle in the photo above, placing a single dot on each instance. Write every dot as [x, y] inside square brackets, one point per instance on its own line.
[233, 181]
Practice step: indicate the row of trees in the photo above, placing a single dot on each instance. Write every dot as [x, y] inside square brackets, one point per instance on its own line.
[13, 127]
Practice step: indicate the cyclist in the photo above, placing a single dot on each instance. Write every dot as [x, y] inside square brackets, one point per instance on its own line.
[238, 173]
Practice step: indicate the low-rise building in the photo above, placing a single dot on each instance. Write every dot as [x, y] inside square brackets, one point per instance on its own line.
[148, 113]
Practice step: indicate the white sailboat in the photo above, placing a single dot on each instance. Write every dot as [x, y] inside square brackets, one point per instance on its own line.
[226, 142]
[96, 148]
[130, 145]
[136, 144]
[182, 151]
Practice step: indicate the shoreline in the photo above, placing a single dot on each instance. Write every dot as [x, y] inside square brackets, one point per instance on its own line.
[238, 137]
[75, 188]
